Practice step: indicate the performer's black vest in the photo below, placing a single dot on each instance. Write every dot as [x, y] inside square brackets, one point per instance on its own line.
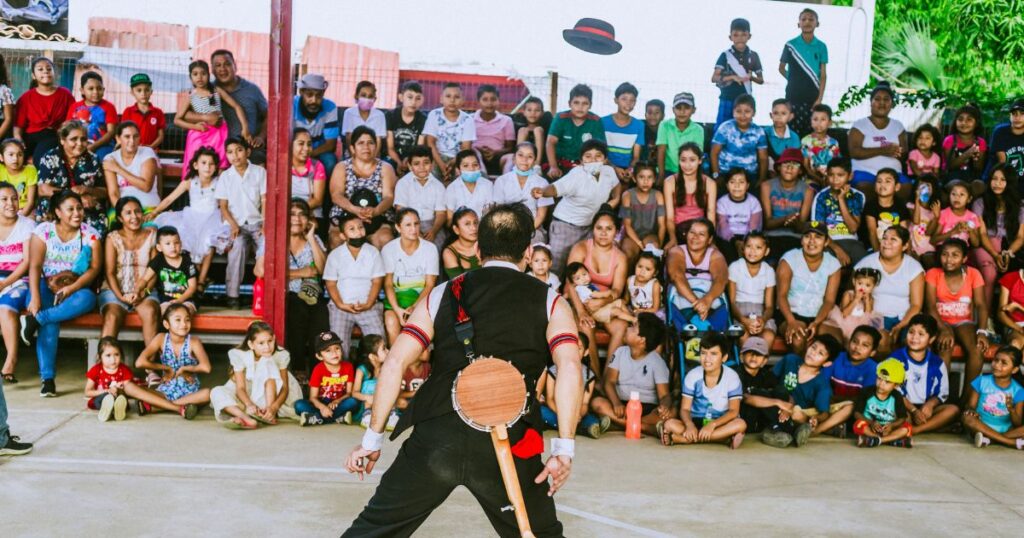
[509, 313]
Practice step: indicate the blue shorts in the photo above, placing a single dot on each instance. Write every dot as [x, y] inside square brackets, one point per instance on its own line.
[17, 298]
[107, 297]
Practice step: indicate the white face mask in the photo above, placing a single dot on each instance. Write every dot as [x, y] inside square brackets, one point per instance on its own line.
[592, 168]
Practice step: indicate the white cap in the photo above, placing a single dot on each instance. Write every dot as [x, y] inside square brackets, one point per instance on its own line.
[634, 395]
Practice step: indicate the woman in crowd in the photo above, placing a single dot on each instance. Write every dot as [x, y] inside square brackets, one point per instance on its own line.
[462, 253]
[365, 185]
[16, 231]
[129, 247]
[899, 295]
[72, 166]
[66, 254]
[877, 142]
[410, 271]
[132, 170]
[807, 282]
[305, 307]
[309, 179]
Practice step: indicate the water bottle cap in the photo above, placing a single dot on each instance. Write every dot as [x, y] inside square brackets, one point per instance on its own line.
[634, 395]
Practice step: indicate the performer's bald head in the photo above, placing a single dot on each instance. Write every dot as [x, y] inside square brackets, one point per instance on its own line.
[505, 232]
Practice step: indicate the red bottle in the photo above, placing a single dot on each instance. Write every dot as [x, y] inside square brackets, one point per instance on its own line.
[257, 298]
[634, 410]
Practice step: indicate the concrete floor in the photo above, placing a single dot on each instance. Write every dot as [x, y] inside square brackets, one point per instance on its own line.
[159, 475]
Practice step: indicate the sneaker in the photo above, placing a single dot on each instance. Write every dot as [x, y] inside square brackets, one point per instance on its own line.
[29, 327]
[153, 379]
[776, 438]
[906, 442]
[868, 441]
[1020, 444]
[392, 421]
[839, 431]
[120, 407]
[980, 441]
[142, 408]
[594, 430]
[345, 419]
[606, 424]
[234, 303]
[802, 434]
[49, 389]
[15, 447]
[106, 407]
[365, 421]
[309, 419]
[189, 411]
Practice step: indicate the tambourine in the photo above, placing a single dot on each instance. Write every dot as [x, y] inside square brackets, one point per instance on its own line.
[490, 395]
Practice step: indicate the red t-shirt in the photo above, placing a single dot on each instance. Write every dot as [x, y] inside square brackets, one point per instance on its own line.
[104, 379]
[411, 381]
[332, 385]
[95, 117]
[1015, 286]
[37, 112]
[149, 123]
[956, 307]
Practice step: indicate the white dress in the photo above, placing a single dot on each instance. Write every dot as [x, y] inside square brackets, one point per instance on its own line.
[199, 225]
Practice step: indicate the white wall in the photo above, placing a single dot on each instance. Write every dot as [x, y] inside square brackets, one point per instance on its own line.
[668, 45]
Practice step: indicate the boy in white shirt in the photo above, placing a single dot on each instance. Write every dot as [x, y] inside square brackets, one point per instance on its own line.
[242, 194]
[420, 190]
[448, 130]
[354, 275]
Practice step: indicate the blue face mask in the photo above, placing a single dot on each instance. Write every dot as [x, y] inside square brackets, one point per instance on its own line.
[471, 177]
[523, 173]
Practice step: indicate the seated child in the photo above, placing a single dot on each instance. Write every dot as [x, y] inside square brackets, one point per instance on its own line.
[578, 274]
[763, 395]
[752, 290]
[354, 275]
[373, 350]
[926, 388]
[959, 221]
[1011, 307]
[925, 209]
[841, 208]
[260, 389]
[589, 424]
[643, 286]
[170, 272]
[107, 382]
[818, 147]
[412, 378]
[739, 214]
[811, 393]
[637, 367]
[884, 211]
[177, 357]
[710, 410]
[540, 266]
[995, 408]
[780, 136]
[857, 307]
[242, 195]
[330, 386]
[879, 412]
[643, 213]
[924, 158]
[738, 143]
[420, 190]
[15, 171]
[852, 370]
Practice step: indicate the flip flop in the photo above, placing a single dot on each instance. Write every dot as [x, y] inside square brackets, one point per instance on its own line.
[10, 379]
[232, 425]
[665, 440]
[261, 420]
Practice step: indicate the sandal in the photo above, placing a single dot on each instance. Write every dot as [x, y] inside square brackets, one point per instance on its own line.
[664, 435]
[236, 424]
[10, 379]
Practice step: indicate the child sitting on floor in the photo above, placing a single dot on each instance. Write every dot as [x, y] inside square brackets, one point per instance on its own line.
[995, 408]
[763, 395]
[330, 386]
[412, 379]
[373, 350]
[178, 357]
[637, 367]
[261, 389]
[880, 414]
[810, 391]
[107, 382]
[710, 410]
[589, 424]
[926, 388]
[579, 276]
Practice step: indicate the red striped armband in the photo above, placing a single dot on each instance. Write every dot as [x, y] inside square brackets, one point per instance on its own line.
[418, 334]
[564, 338]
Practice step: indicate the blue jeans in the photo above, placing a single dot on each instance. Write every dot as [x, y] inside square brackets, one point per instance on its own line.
[329, 160]
[551, 420]
[346, 405]
[50, 318]
[4, 429]
[724, 112]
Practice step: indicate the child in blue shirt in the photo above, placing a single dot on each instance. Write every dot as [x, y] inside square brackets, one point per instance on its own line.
[624, 133]
[589, 424]
[712, 392]
[881, 415]
[738, 143]
[810, 390]
[995, 408]
[851, 372]
[841, 207]
[926, 388]
[780, 136]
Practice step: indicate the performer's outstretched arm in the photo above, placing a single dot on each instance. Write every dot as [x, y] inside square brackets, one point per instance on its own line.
[565, 352]
[415, 336]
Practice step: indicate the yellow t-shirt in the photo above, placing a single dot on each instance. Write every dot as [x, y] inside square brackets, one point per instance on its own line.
[28, 177]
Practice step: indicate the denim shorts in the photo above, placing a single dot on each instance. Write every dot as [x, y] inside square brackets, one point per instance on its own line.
[16, 298]
[107, 296]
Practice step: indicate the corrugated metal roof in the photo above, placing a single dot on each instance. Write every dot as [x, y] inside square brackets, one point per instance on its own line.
[250, 49]
[345, 64]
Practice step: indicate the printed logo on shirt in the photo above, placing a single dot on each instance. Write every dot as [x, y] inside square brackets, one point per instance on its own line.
[791, 381]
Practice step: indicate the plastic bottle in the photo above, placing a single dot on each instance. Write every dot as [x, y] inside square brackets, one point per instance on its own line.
[257, 298]
[634, 410]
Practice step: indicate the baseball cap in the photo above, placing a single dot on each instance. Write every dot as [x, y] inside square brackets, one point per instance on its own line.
[755, 344]
[790, 155]
[312, 81]
[1017, 104]
[742, 25]
[683, 98]
[139, 78]
[892, 370]
[325, 340]
[816, 227]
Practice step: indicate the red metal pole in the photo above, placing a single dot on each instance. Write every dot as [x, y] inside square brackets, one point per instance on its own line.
[279, 123]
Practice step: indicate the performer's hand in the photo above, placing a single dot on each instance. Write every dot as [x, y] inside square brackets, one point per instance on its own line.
[558, 469]
[361, 461]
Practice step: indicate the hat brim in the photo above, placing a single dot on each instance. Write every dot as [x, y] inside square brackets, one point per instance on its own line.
[591, 43]
[822, 233]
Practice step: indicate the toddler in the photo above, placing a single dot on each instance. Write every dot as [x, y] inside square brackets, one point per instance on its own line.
[880, 415]
[178, 357]
[643, 286]
[752, 290]
[330, 386]
[924, 158]
[818, 147]
[857, 306]
[540, 266]
[578, 274]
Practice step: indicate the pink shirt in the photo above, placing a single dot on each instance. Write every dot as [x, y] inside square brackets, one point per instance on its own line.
[948, 220]
[930, 165]
[494, 133]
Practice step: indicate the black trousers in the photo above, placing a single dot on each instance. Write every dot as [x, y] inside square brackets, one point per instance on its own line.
[441, 454]
[302, 325]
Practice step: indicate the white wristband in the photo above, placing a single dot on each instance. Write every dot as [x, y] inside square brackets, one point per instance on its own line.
[563, 447]
[372, 440]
